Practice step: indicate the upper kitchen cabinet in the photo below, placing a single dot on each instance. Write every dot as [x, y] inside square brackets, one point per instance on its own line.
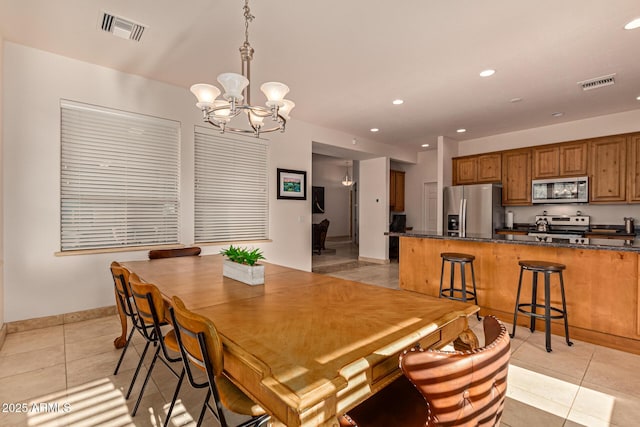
[560, 160]
[396, 191]
[478, 169]
[633, 147]
[608, 169]
[516, 177]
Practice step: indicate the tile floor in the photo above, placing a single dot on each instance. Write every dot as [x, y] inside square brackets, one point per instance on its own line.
[63, 374]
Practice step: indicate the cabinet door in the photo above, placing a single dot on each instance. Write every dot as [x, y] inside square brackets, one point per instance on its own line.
[465, 170]
[392, 190]
[399, 207]
[634, 168]
[516, 177]
[489, 168]
[546, 162]
[608, 170]
[573, 159]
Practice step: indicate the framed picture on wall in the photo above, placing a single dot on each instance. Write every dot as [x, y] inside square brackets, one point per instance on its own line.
[292, 184]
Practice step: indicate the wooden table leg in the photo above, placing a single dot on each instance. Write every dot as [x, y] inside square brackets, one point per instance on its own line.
[466, 341]
[120, 341]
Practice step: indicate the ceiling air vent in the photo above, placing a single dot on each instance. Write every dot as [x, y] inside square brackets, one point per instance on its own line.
[598, 82]
[121, 27]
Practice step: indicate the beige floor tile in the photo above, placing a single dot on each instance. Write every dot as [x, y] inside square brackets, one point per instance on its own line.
[615, 370]
[598, 405]
[89, 329]
[519, 414]
[22, 342]
[32, 384]
[19, 363]
[99, 366]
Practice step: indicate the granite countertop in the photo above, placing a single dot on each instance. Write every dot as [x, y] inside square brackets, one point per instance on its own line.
[618, 244]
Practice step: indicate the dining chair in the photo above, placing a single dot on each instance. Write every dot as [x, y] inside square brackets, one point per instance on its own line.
[123, 299]
[443, 388]
[172, 253]
[152, 317]
[201, 347]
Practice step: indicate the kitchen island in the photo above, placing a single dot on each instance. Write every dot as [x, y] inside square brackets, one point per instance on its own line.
[601, 280]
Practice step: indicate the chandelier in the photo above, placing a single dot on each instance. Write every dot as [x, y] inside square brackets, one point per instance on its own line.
[237, 97]
[346, 181]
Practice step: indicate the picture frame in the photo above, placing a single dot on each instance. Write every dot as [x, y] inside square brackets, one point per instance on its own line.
[292, 184]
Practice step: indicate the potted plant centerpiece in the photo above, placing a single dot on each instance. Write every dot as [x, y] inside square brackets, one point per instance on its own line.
[242, 265]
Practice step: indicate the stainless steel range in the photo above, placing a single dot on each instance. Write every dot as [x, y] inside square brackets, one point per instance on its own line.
[561, 228]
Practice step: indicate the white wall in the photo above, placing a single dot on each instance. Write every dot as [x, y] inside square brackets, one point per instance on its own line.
[328, 173]
[1, 194]
[374, 208]
[37, 282]
[426, 170]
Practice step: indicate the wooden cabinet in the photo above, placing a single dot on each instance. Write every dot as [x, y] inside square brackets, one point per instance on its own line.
[560, 160]
[633, 147]
[516, 177]
[396, 191]
[608, 169]
[477, 169]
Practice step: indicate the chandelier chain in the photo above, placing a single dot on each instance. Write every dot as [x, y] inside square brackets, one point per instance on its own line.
[248, 17]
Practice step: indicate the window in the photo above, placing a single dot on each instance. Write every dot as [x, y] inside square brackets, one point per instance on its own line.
[119, 178]
[231, 200]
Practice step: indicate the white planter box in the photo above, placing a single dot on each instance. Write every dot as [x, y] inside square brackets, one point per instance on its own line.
[251, 275]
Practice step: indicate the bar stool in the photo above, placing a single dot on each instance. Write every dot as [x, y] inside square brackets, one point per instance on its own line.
[465, 294]
[530, 309]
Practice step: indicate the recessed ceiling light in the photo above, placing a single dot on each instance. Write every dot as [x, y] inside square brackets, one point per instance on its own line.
[487, 73]
[557, 114]
[398, 102]
[514, 100]
[425, 145]
[633, 24]
[374, 129]
[638, 98]
[461, 130]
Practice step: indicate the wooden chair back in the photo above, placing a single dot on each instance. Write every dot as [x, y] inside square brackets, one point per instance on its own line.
[121, 285]
[172, 253]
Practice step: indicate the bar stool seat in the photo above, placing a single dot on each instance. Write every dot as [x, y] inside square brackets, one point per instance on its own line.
[462, 293]
[531, 308]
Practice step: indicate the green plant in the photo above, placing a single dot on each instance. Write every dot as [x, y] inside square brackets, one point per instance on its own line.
[242, 255]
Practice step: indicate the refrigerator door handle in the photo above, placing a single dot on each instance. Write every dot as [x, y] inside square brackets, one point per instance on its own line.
[463, 218]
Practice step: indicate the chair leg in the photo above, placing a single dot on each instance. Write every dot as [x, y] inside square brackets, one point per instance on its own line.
[534, 301]
[564, 309]
[475, 291]
[175, 397]
[124, 350]
[204, 408]
[146, 380]
[547, 311]
[441, 277]
[135, 375]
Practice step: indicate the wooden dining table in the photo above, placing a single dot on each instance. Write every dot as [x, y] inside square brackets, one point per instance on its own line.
[307, 347]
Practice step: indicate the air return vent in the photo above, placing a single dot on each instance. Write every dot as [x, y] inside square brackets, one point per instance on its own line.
[121, 27]
[598, 82]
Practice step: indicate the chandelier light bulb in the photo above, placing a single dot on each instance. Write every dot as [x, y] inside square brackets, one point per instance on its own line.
[256, 120]
[222, 115]
[233, 84]
[206, 94]
[275, 93]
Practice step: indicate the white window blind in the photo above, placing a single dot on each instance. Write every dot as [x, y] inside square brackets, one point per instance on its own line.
[231, 197]
[119, 178]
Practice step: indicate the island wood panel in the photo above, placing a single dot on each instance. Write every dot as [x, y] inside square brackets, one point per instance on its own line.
[601, 286]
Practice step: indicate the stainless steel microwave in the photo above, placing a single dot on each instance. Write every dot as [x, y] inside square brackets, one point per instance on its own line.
[560, 190]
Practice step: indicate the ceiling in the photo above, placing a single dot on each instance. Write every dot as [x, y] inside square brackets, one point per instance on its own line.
[346, 61]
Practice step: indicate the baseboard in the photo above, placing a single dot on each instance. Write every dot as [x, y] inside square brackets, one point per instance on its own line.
[59, 319]
[374, 260]
[3, 334]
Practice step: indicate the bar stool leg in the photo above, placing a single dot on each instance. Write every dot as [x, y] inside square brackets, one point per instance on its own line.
[441, 277]
[475, 292]
[547, 311]
[515, 311]
[564, 309]
[534, 300]
[463, 282]
[452, 279]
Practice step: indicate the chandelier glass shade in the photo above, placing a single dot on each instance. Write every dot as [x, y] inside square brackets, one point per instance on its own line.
[346, 181]
[236, 99]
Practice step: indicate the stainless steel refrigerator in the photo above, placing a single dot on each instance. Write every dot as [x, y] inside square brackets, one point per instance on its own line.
[473, 210]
